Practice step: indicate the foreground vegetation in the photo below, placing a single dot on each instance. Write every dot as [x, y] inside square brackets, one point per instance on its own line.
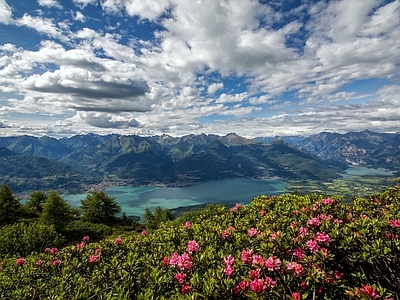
[279, 247]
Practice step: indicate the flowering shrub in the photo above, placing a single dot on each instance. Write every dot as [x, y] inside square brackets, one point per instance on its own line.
[279, 247]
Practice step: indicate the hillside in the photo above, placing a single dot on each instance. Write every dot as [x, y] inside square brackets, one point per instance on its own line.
[277, 247]
[166, 160]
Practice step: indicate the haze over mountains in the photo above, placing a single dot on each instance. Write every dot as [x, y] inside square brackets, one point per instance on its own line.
[76, 163]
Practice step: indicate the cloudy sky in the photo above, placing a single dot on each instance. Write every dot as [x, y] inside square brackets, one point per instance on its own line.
[257, 68]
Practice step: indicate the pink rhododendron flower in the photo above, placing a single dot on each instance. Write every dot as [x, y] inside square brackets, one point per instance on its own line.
[338, 275]
[325, 217]
[315, 206]
[303, 285]
[236, 290]
[39, 262]
[54, 251]
[81, 245]
[225, 234]
[188, 224]
[392, 236]
[327, 201]
[394, 223]
[246, 256]
[254, 274]
[296, 267]
[174, 259]
[185, 288]
[229, 260]
[363, 216]
[337, 221]
[258, 286]
[236, 207]
[165, 261]
[180, 277]
[262, 213]
[244, 285]
[184, 262]
[258, 260]
[56, 262]
[192, 247]
[273, 263]
[275, 235]
[86, 238]
[322, 237]
[369, 291]
[312, 245]
[94, 258]
[314, 222]
[303, 231]
[299, 253]
[296, 296]
[20, 261]
[252, 232]
[118, 241]
[144, 232]
[228, 270]
[270, 282]
[47, 250]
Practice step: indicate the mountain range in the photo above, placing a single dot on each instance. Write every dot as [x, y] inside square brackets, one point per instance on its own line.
[79, 162]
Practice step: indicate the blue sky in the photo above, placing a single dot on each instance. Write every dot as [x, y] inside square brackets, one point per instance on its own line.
[257, 68]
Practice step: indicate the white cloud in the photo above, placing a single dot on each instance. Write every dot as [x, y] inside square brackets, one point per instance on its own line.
[214, 87]
[79, 17]
[83, 3]
[49, 3]
[5, 13]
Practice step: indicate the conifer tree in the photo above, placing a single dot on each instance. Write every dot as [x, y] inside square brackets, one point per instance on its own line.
[9, 206]
[99, 207]
[35, 202]
[57, 211]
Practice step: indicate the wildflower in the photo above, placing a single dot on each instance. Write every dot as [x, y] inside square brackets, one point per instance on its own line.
[252, 232]
[270, 282]
[327, 201]
[263, 213]
[39, 262]
[394, 223]
[184, 262]
[315, 206]
[228, 270]
[303, 231]
[312, 245]
[180, 277]
[369, 291]
[338, 275]
[225, 234]
[229, 260]
[314, 222]
[20, 261]
[118, 241]
[94, 258]
[188, 224]
[299, 253]
[273, 263]
[165, 261]
[254, 274]
[192, 247]
[324, 252]
[54, 251]
[236, 290]
[86, 238]
[244, 285]
[258, 286]
[246, 256]
[185, 288]
[298, 268]
[296, 296]
[258, 260]
[323, 237]
[303, 285]
[275, 235]
[80, 245]
[236, 207]
[174, 259]
[47, 250]
[144, 232]
[56, 262]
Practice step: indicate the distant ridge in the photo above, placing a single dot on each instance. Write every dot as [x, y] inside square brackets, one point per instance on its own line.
[166, 160]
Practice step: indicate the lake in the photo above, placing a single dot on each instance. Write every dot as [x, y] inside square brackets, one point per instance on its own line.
[133, 200]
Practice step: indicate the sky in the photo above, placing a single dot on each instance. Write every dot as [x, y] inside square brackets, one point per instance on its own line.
[178, 67]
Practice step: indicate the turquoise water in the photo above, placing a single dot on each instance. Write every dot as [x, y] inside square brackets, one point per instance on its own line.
[133, 200]
[356, 171]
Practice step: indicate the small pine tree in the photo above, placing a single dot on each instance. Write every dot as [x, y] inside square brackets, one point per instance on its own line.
[35, 202]
[57, 211]
[9, 206]
[99, 207]
[148, 218]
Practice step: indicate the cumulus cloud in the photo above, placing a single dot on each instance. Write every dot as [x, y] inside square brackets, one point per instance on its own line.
[214, 87]
[49, 3]
[105, 120]
[5, 13]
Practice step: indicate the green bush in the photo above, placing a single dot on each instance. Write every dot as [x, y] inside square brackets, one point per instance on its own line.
[279, 247]
[20, 239]
[78, 229]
